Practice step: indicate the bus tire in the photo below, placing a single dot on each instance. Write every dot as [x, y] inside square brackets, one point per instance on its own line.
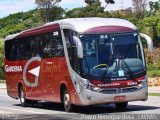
[67, 102]
[22, 98]
[121, 106]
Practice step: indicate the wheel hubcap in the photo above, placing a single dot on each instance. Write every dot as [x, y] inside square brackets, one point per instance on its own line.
[66, 100]
[22, 96]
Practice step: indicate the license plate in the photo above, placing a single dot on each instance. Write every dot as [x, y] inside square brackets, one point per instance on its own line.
[120, 98]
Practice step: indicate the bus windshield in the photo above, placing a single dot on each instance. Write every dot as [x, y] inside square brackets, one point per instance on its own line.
[112, 55]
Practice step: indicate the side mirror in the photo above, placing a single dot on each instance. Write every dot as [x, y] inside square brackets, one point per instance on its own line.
[149, 42]
[79, 47]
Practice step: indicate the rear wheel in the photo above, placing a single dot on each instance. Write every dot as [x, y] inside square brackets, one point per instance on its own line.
[67, 102]
[22, 98]
[121, 106]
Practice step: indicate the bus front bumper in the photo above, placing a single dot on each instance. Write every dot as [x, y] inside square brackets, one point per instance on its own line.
[91, 98]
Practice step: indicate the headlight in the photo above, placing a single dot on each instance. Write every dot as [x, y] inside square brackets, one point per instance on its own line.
[142, 84]
[96, 89]
[85, 84]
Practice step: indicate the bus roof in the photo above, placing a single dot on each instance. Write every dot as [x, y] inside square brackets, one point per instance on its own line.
[80, 25]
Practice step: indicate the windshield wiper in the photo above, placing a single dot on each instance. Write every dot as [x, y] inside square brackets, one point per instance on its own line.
[109, 62]
[128, 68]
[86, 65]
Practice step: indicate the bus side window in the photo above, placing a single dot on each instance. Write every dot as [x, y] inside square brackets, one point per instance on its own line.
[8, 49]
[42, 42]
[67, 35]
[23, 49]
[14, 50]
[72, 50]
[53, 45]
[28, 48]
[59, 51]
[46, 44]
[35, 46]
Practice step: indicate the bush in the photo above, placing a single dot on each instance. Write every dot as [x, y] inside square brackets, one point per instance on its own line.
[1, 59]
[153, 73]
[153, 63]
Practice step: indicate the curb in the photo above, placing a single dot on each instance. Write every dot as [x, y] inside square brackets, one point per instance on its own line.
[2, 85]
[155, 89]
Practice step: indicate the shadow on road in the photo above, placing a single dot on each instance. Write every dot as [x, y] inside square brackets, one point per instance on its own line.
[97, 109]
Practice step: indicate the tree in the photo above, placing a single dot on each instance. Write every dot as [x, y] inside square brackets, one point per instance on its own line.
[74, 13]
[154, 6]
[153, 24]
[90, 1]
[109, 1]
[93, 9]
[139, 7]
[49, 11]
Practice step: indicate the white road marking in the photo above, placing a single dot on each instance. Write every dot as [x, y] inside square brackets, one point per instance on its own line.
[22, 110]
[36, 112]
[4, 96]
[4, 112]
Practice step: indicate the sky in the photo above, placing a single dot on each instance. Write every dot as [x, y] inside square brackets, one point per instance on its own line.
[13, 6]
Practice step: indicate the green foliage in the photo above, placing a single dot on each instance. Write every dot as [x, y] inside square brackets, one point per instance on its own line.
[74, 13]
[91, 10]
[1, 59]
[2, 81]
[153, 73]
[154, 94]
[153, 69]
[18, 22]
[153, 63]
[48, 10]
[150, 24]
[154, 7]
[52, 14]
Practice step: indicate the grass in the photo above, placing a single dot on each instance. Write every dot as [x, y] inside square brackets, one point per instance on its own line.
[154, 94]
[2, 81]
[154, 73]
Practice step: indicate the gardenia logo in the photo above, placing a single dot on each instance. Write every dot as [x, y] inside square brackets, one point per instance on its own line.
[13, 68]
[106, 85]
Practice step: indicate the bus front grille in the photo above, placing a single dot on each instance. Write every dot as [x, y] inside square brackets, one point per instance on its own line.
[119, 90]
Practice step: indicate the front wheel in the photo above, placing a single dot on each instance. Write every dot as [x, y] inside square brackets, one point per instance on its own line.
[121, 106]
[22, 98]
[67, 102]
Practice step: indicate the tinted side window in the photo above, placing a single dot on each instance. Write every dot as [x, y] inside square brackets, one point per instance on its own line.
[23, 49]
[8, 48]
[35, 41]
[45, 45]
[52, 44]
[27, 48]
[72, 49]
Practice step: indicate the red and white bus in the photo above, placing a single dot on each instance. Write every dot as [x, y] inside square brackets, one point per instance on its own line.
[78, 61]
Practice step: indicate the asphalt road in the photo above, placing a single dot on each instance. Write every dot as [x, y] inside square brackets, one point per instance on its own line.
[11, 109]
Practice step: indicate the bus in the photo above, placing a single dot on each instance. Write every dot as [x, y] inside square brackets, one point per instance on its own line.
[78, 61]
